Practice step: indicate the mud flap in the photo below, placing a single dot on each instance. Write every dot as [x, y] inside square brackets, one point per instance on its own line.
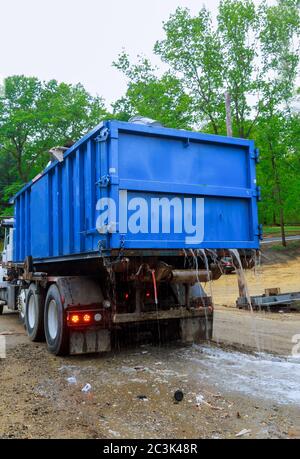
[195, 330]
[89, 341]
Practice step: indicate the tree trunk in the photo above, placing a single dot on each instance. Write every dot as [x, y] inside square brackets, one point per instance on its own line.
[23, 176]
[283, 238]
[274, 211]
[277, 191]
[228, 114]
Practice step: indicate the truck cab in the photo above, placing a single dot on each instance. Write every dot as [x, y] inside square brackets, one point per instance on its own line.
[7, 292]
[7, 253]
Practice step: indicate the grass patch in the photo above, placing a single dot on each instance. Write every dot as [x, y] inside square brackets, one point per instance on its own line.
[276, 230]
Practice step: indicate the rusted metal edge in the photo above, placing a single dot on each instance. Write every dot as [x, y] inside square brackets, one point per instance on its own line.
[180, 313]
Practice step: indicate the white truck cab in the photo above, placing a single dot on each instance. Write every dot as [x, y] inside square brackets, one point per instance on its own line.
[7, 253]
[6, 257]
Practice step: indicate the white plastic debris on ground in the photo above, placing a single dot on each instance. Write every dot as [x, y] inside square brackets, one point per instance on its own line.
[86, 388]
[243, 432]
[199, 400]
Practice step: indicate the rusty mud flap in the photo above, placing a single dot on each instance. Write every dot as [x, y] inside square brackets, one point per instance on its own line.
[89, 341]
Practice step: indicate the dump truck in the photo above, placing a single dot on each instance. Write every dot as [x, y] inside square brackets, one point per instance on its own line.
[123, 230]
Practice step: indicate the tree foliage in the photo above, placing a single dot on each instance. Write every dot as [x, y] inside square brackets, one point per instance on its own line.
[35, 116]
[250, 51]
[161, 98]
[278, 137]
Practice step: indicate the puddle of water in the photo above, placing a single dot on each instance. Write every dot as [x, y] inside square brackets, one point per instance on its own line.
[260, 376]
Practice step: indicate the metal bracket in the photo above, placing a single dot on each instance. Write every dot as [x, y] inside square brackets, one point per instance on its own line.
[256, 155]
[101, 245]
[122, 242]
[103, 135]
[104, 181]
[257, 193]
[260, 232]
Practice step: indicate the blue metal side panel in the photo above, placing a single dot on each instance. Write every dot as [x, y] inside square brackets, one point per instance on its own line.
[253, 218]
[27, 236]
[39, 219]
[219, 170]
[166, 160]
[22, 226]
[57, 211]
[225, 224]
[67, 204]
[56, 214]
[78, 203]
[50, 226]
[89, 194]
[16, 251]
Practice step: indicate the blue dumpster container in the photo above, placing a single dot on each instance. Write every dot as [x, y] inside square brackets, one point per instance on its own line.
[138, 187]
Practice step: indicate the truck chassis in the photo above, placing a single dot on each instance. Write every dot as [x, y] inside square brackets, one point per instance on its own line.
[83, 307]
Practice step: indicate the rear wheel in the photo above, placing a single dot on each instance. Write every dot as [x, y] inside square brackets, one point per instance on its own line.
[56, 330]
[22, 306]
[1, 309]
[34, 314]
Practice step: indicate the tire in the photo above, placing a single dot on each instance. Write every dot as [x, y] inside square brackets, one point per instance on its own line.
[34, 314]
[56, 330]
[1, 309]
[22, 307]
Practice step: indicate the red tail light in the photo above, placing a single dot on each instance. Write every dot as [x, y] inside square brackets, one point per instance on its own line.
[80, 318]
[87, 318]
[75, 319]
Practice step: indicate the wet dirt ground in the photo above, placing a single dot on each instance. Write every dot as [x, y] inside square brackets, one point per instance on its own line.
[228, 386]
[277, 270]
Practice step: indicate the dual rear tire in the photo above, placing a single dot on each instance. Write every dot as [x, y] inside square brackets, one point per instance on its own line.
[45, 319]
[56, 330]
[34, 319]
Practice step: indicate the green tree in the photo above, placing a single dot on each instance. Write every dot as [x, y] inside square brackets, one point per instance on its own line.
[35, 116]
[193, 51]
[161, 98]
[249, 53]
[279, 170]
[252, 53]
[8, 182]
